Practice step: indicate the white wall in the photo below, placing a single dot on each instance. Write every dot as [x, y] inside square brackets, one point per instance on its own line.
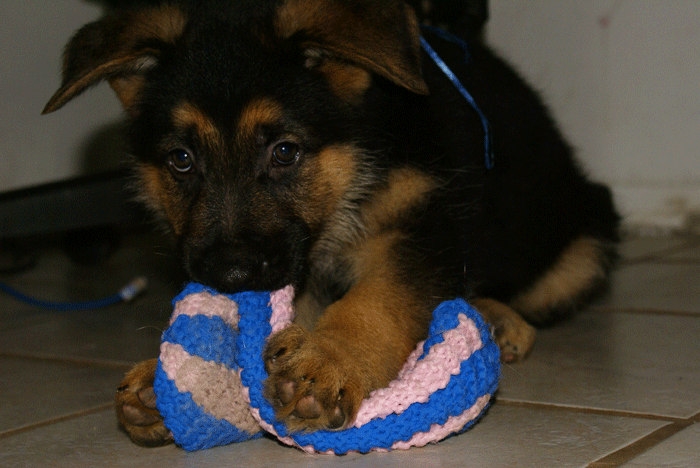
[37, 148]
[622, 77]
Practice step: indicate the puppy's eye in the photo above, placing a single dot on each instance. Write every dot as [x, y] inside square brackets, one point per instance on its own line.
[181, 161]
[285, 153]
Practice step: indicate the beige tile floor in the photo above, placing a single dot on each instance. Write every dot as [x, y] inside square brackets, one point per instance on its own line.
[618, 385]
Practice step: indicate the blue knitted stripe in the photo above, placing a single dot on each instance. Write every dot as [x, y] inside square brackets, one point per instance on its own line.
[478, 377]
[445, 317]
[210, 338]
[192, 427]
[254, 328]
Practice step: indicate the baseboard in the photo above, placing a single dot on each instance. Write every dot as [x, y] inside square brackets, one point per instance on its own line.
[663, 209]
[76, 203]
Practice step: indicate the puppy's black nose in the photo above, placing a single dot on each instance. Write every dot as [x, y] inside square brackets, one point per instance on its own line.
[236, 278]
[239, 265]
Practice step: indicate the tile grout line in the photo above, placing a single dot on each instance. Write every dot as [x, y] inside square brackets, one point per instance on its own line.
[56, 420]
[596, 411]
[662, 260]
[636, 448]
[644, 311]
[58, 359]
[631, 450]
[674, 261]
[652, 256]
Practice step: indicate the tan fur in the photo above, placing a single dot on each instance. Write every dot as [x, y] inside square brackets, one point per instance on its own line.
[406, 188]
[135, 406]
[335, 28]
[514, 335]
[128, 90]
[329, 179]
[129, 63]
[158, 194]
[358, 344]
[577, 271]
[165, 23]
[296, 15]
[347, 81]
[258, 112]
[186, 116]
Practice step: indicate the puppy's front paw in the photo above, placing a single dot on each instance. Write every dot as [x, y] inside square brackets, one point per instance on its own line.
[312, 381]
[136, 407]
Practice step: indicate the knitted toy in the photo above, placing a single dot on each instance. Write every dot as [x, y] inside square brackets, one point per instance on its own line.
[209, 381]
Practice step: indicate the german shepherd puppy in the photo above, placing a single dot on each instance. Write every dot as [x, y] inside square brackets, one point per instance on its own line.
[314, 143]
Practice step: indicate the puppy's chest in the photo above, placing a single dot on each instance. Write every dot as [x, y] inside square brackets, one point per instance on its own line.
[327, 280]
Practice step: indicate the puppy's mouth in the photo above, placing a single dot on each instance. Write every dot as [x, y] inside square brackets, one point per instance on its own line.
[245, 265]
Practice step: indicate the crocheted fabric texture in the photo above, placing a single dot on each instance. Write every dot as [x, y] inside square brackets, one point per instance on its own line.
[209, 381]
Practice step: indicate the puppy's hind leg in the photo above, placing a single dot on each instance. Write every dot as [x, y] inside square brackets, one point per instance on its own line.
[513, 334]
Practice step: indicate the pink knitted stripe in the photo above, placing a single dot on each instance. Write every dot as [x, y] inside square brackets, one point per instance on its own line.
[439, 432]
[419, 379]
[213, 386]
[282, 308]
[204, 303]
[172, 356]
[269, 428]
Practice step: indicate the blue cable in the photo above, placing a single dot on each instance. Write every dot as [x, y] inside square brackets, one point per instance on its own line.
[489, 157]
[127, 293]
[135, 287]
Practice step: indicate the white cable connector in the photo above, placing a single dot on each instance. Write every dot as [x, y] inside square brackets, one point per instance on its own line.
[133, 289]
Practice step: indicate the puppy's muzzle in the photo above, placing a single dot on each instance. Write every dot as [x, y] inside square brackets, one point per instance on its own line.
[232, 266]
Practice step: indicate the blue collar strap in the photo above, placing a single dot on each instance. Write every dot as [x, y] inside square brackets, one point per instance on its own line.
[488, 151]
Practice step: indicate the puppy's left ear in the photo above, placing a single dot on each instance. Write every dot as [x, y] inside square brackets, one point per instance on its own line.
[381, 36]
[118, 48]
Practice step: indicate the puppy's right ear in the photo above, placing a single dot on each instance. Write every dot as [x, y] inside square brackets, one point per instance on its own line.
[118, 48]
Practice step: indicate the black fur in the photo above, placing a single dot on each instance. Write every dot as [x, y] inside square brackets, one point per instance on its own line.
[389, 184]
[504, 227]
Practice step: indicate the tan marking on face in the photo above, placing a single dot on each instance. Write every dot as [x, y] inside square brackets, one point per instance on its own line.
[329, 178]
[157, 192]
[578, 269]
[187, 115]
[406, 188]
[262, 111]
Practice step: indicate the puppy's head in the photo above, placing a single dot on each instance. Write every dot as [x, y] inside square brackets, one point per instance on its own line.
[246, 119]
